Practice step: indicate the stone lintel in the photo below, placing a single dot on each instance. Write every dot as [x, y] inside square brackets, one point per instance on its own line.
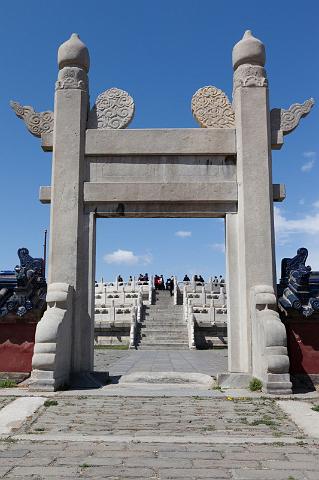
[47, 142]
[279, 192]
[160, 192]
[163, 209]
[179, 141]
[277, 139]
[45, 194]
[191, 141]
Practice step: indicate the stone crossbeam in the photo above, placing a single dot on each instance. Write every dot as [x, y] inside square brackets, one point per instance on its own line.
[180, 141]
[152, 192]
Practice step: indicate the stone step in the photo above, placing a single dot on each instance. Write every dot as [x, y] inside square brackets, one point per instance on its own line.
[162, 333]
[173, 346]
[164, 326]
[164, 339]
[165, 320]
[159, 328]
[165, 311]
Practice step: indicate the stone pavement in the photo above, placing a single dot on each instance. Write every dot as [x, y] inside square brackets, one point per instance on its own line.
[106, 433]
[123, 362]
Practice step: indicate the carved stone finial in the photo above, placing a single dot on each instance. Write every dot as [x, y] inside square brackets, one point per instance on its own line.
[74, 53]
[249, 50]
[287, 120]
[212, 109]
[36, 123]
[74, 63]
[113, 108]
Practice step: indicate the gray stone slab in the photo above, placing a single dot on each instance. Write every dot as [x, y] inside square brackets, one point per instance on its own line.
[160, 142]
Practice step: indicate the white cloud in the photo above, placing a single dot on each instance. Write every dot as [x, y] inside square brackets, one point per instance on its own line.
[316, 204]
[307, 225]
[309, 154]
[308, 166]
[220, 247]
[183, 233]
[127, 257]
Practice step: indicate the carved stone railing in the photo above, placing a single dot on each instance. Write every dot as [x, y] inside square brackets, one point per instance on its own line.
[133, 328]
[191, 328]
[150, 291]
[51, 362]
[270, 362]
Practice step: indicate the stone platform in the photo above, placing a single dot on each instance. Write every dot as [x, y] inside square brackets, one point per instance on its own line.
[124, 362]
[146, 431]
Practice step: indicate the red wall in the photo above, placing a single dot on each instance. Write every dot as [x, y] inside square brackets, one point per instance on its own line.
[303, 346]
[16, 346]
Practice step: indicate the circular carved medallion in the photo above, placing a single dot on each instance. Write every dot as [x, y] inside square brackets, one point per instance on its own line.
[113, 108]
[211, 108]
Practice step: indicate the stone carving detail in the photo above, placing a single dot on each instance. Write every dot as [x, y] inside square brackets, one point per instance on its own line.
[212, 109]
[36, 123]
[288, 120]
[270, 356]
[72, 78]
[250, 76]
[52, 349]
[23, 289]
[298, 289]
[113, 108]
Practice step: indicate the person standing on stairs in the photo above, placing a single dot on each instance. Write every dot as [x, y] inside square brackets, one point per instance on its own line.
[171, 286]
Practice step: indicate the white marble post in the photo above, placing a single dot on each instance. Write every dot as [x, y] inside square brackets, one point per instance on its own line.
[250, 232]
[69, 229]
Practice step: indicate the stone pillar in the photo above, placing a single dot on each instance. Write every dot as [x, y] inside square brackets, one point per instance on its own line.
[250, 232]
[69, 229]
[91, 285]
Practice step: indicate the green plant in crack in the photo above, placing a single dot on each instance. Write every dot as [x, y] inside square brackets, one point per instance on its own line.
[315, 408]
[50, 403]
[255, 385]
[8, 440]
[265, 420]
[84, 465]
[7, 383]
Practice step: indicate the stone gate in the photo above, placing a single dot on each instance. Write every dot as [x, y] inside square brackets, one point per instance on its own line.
[102, 169]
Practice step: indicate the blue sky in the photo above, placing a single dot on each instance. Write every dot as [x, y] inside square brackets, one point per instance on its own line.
[161, 53]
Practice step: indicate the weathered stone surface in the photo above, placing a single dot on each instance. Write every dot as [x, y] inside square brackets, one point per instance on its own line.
[212, 109]
[73, 52]
[183, 141]
[36, 123]
[249, 50]
[113, 108]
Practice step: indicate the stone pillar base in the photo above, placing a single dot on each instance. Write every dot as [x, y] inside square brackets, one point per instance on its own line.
[44, 380]
[278, 384]
[233, 380]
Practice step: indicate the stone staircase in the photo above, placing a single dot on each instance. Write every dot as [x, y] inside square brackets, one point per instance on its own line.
[163, 326]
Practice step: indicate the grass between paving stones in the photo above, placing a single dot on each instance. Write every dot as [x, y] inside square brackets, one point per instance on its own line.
[315, 408]
[8, 440]
[50, 403]
[7, 383]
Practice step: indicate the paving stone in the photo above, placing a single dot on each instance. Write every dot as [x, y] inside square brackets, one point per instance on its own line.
[13, 453]
[194, 473]
[310, 464]
[53, 471]
[267, 475]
